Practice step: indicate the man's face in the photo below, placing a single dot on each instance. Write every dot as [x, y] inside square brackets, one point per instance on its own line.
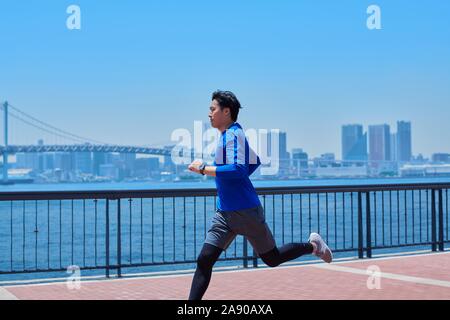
[218, 117]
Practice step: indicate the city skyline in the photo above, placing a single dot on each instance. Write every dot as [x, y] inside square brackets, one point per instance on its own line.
[377, 151]
[355, 143]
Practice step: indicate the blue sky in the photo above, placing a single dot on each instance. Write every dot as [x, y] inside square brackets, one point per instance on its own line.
[137, 70]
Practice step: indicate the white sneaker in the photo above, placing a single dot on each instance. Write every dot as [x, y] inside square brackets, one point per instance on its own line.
[323, 252]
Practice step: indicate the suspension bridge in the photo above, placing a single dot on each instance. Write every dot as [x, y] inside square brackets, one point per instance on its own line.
[79, 143]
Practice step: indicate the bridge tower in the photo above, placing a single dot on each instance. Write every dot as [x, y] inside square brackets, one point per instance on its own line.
[5, 154]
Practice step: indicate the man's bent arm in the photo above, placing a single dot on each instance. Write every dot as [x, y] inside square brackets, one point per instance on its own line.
[232, 171]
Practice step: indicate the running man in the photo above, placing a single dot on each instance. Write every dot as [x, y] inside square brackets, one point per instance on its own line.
[239, 211]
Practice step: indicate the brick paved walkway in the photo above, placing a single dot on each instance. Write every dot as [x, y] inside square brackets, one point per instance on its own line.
[425, 276]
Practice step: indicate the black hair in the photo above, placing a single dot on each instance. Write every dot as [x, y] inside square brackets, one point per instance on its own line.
[227, 99]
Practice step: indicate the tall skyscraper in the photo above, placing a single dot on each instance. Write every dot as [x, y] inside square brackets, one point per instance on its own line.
[83, 162]
[272, 142]
[354, 143]
[394, 147]
[48, 161]
[404, 141]
[379, 143]
[27, 161]
[64, 161]
[128, 160]
[99, 158]
[41, 157]
[283, 143]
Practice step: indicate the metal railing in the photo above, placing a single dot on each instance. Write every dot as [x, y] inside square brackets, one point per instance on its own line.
[112, 230]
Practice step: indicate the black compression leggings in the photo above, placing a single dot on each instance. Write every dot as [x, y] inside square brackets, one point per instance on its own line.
[286, 253]
[205, 262]
[209, 255]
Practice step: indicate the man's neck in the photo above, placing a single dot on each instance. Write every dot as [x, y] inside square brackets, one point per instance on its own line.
[225, 126]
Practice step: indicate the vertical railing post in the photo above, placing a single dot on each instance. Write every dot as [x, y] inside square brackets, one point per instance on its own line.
[433, 220]
[5, 136]
[255, 259]
[107, 239]
[441, 222]
[119, 241]
[368, 227]
[245, 251]
[360, 228]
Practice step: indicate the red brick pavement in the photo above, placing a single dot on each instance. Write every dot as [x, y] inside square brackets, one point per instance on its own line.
[293, 282]
[434, 267]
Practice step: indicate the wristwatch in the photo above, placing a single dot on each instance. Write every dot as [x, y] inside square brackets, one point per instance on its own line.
[201, 168]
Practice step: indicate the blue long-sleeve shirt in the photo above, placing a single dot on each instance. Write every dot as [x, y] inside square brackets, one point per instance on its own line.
[235, 162]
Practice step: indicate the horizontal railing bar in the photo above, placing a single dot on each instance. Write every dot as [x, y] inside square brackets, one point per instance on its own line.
[352, 188]
[404, 245]
[50, 270]
[168, 193]
[112, 267]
